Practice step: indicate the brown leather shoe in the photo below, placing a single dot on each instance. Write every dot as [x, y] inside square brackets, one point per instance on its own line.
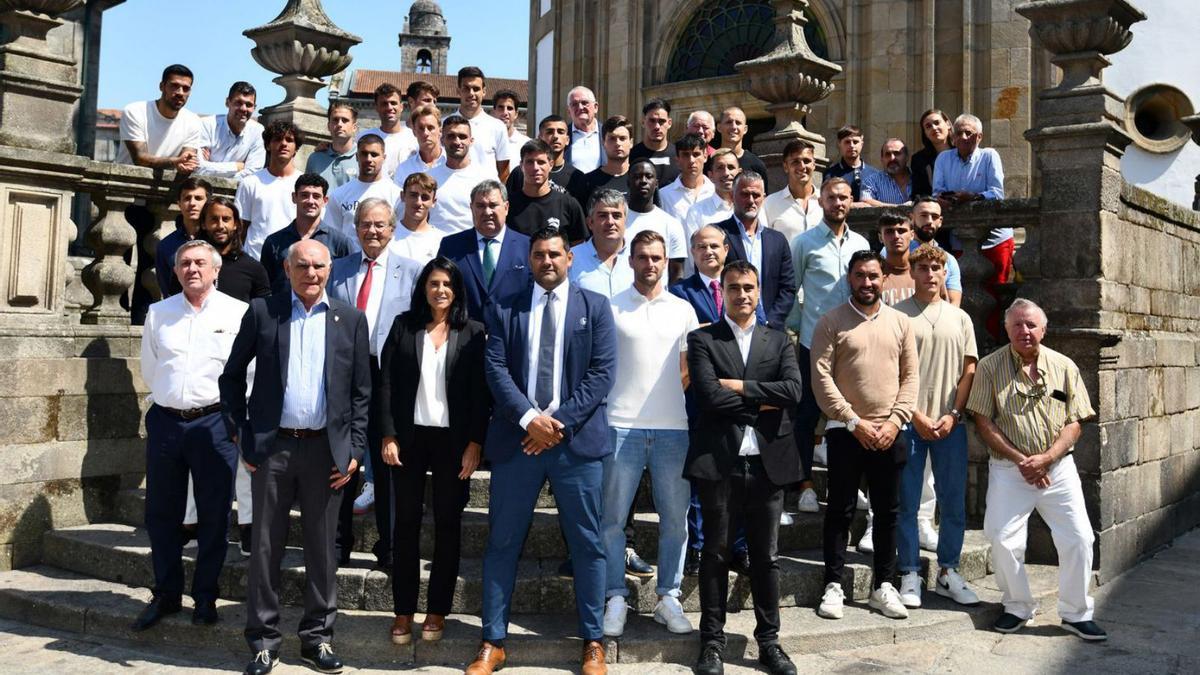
[489, 659]
[402, 629]
[431, 629]
[593, 659]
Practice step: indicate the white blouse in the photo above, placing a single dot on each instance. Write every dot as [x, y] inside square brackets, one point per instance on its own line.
[431, 409]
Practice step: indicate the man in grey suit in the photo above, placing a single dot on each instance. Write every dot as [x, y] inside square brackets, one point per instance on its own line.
[379, 283]
[302, 434]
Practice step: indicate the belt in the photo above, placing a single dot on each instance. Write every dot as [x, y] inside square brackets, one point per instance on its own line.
[192, 413]
[301, 433]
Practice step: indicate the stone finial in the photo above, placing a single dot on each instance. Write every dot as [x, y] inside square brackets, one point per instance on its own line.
[1081, 34]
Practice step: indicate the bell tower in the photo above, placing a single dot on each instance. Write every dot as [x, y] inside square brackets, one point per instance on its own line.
[425, 42]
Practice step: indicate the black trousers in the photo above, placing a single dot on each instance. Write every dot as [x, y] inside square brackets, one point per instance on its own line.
[849, 462]
[808, 414]
[430, 452]
[383, 491]
[747, 497]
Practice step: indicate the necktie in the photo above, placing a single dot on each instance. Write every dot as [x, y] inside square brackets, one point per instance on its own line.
[489, 261]
[544, 387]
[364, 291]
[716, 293]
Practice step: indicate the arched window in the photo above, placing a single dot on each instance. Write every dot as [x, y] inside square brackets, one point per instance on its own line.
[724, 32]
[424, 61]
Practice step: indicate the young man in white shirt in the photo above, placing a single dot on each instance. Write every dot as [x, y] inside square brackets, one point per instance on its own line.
[644, 215]
[457, 177]
[337, 163]
[796, 207]
[398, 140]
[415, 238]
[426, 123]
[161, 134]
[723, 169]
[490, 144]
[692, 185]
[231, 145]
[506, 108]
[649, 423]
[371, 182]
[264, 198]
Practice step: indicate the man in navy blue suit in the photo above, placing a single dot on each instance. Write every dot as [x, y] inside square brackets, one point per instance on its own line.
[493, 258]
[768, 250]
[551, 353]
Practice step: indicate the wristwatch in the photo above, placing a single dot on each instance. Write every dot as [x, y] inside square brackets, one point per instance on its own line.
[852, 424]
[954, 412]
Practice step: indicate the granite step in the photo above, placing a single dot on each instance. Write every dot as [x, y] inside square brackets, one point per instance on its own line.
[63, 600]
[121, 553]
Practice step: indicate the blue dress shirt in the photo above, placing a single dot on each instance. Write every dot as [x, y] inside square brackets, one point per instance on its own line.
[304, 395]
[587, 271]
[980, 173]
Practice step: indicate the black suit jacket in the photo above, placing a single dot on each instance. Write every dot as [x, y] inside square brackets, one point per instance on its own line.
[265, 337]
[771, 377]
[467, 394]
[777, 278]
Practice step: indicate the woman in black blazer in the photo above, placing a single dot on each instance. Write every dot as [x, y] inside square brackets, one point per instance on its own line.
[433, 408]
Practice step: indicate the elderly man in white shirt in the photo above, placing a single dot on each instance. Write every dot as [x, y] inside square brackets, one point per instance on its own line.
[185, 343]
[231, 145]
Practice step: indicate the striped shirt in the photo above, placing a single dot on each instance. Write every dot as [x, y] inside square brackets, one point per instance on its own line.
[1030, 416]
[881, 187]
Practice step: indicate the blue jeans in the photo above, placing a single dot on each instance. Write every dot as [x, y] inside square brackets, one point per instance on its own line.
[663, 451]
[949, 456]
[367, 469]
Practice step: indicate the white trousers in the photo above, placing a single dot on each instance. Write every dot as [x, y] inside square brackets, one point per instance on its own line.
[1010, 500]
[241, 487]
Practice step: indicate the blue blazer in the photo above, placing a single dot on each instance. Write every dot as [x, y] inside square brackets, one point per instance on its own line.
[777, 279]
[589, 362]
[700, 298]
[512, 268]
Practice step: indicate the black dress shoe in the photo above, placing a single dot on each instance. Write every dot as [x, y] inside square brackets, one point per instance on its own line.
[154, 612]
[205, 614]
[321, 658]
[776, 660]
[566, 570]
[384, 564]
[263, 663]
[740, 563]
[1088, 630]
[710, 661]
[636, 566]
[1009, 623]
[244, 540]
[691, 563]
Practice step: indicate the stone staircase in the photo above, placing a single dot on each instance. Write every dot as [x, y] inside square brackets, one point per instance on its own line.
[94, 579]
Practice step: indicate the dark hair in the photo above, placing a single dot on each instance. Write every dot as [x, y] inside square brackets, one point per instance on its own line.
[177, 69]
[925, 199]
[370, 139]
[796, 147]
[194, 183]
[455, 121]
[346, 106]
[311, 180]
[864, 256]
[643, 160]
[925, 142]
[280, 128]
[468, 72]
[738, 267]
[616, 122]
[550, 119]
[550, 232]
[689, 142]
[508, 94]
[235, 247]
[535, 146]
[419, 313]
[243, 88]
[892, 217]
[645, 238]
[384, 90]
[656, 104]
[415, 89]
[849, 130]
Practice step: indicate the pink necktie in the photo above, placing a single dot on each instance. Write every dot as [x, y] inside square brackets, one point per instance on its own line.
[716, 293]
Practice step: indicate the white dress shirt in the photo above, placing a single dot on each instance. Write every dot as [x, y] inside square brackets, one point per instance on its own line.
[753, 245]
[744, 338]
[379, 279]
[226, 148]
[533, 339]
[431, 408]
[677, 198]
[586, 148]
[789, 215]
[184, 349]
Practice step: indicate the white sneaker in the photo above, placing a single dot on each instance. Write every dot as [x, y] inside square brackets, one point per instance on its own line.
[365, 499]
[614, 616]
[887, 601]
[808, 502]
[832, 601]
[669, 613]
[927, 536]
[821, 453]
[785, 518]
[867, 543]
[910, 589]
[863, 502]
[953, 586]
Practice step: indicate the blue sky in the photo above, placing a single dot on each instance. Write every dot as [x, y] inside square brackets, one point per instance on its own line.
[143, 36]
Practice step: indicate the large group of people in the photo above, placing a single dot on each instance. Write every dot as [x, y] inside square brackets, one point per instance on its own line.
[439, 294]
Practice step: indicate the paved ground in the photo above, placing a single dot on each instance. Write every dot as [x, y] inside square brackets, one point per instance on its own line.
[1152, 615]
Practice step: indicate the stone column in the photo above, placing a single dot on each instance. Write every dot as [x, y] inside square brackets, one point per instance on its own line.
[303, 46]
[39, 85]
[108, 276]
[790, 78]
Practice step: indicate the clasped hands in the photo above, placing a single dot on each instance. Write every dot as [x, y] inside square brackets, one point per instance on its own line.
[875, 435]
[1035, 469]
[542, 433]
[931, 429]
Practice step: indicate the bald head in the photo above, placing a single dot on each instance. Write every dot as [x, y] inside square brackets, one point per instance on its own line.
[307, 268]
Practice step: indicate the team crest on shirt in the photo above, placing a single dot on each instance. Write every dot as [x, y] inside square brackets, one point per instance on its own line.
[553, 222]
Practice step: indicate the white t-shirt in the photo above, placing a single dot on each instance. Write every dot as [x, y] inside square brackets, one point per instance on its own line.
[452, 213]
[651, 336]
[141, 122]
[265, 201]
[397, 146]
[677, 199]
[663, 223]
[414, 164]
[419, 246]
[344, 200]
[489, 140]
[515, 142]
[783, 212]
